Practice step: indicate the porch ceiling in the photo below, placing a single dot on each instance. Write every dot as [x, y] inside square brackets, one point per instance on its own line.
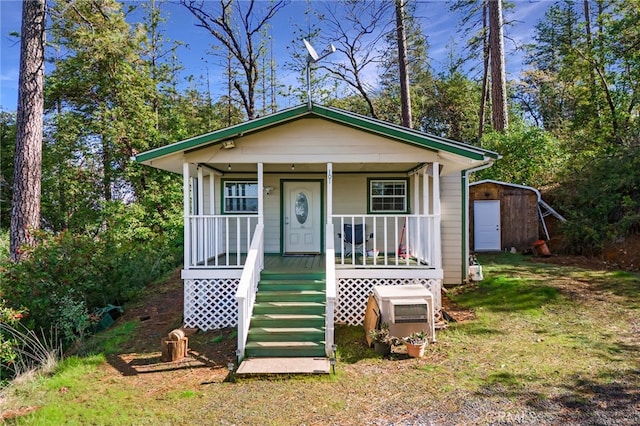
[252, 168]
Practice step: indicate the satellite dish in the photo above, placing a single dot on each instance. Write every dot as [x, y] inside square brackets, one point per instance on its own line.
[311, 59]
[313, 55]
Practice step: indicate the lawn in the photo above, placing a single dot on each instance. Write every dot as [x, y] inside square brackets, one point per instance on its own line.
[548, 344]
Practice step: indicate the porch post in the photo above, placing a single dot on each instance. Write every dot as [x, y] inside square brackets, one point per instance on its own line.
[436, 213]
[212, 193]
[260, 194]
[416, 192]
[200, 191]
[425, 191]
[436, 188]
[186, 208]
[329, 193]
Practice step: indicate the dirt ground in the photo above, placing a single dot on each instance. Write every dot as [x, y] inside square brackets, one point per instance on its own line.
[161, 313]
[623, 255]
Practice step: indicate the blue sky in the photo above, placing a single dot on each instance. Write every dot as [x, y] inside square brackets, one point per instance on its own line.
[437, 21]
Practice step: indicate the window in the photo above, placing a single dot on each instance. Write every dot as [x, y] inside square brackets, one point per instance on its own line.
[388, 196]
[240, 197]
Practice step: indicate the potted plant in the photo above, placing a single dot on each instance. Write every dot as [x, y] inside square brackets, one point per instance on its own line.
[381, 339]
[415, 343]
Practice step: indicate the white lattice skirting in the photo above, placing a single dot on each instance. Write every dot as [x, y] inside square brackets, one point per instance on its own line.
[353, 293]
[210, 304]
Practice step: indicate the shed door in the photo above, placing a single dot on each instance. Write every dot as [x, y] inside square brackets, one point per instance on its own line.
[302, 220]
[486, 225]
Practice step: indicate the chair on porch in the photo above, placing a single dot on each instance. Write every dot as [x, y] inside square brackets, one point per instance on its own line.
[355, 238]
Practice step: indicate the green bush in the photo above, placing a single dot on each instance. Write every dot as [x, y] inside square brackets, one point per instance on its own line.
[8, 344]
[67, 276]
[61, 281]
[530, 156]
[601, 201]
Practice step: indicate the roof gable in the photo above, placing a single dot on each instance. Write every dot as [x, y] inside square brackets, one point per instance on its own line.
[367, 124]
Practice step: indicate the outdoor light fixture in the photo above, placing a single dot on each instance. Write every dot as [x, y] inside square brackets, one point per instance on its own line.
[229, 166]
[333, 365]
[268, 190]
[312, 58]
[293, 167]
[228, 144]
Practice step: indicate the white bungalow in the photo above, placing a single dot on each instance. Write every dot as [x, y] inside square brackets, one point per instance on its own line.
[266, 205]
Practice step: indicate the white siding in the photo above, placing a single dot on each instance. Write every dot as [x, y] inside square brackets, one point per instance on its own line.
[349, 194]
[451, 225]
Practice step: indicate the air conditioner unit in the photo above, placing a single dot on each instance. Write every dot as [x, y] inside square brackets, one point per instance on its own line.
[406, 309]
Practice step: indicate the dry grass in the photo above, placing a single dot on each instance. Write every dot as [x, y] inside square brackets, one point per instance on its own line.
[549, 345]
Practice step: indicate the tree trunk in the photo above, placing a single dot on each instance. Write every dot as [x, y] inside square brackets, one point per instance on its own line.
[498, 76]
[485, 73]
[405, 95]
[25, 210]
[592, 76]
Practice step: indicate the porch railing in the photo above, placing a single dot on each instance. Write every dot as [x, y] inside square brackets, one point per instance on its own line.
[248, 287]
[330, 290]
[223, 241]
[218, 241]
[389, 241]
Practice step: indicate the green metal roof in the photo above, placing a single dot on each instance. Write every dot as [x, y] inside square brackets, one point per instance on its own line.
[367, 124]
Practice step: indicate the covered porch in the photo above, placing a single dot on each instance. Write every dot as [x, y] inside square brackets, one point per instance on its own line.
[217, 239]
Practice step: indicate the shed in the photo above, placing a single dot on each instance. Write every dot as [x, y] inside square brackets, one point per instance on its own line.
[505, 215]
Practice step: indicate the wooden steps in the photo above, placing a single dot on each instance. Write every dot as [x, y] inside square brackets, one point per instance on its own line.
[288, 316]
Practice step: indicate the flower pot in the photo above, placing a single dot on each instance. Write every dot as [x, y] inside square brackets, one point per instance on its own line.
[382, 348]
[541, 248]
[415, 351]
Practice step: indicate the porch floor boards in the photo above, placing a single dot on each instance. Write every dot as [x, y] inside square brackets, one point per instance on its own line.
[278, 263]
[294, 264]
[316, 263]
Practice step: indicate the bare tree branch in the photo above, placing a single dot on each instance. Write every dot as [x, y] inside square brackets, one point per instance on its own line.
[235, 30]
[358, 32]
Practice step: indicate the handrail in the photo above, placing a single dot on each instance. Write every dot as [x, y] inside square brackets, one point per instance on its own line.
[248, 287]
[330, 291]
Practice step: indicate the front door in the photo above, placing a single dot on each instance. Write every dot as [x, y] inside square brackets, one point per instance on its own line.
[486, 225]
[302, 217]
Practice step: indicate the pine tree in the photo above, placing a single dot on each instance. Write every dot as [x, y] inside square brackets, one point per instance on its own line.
[405, 94]
[499, 108]
[25, 212]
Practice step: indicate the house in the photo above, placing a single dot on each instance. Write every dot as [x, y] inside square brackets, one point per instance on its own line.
[266, 206]
[506, 215]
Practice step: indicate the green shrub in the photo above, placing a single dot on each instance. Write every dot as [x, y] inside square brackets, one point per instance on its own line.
[9, 317]
[67, 276]
[601, 201]
[530, 156]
